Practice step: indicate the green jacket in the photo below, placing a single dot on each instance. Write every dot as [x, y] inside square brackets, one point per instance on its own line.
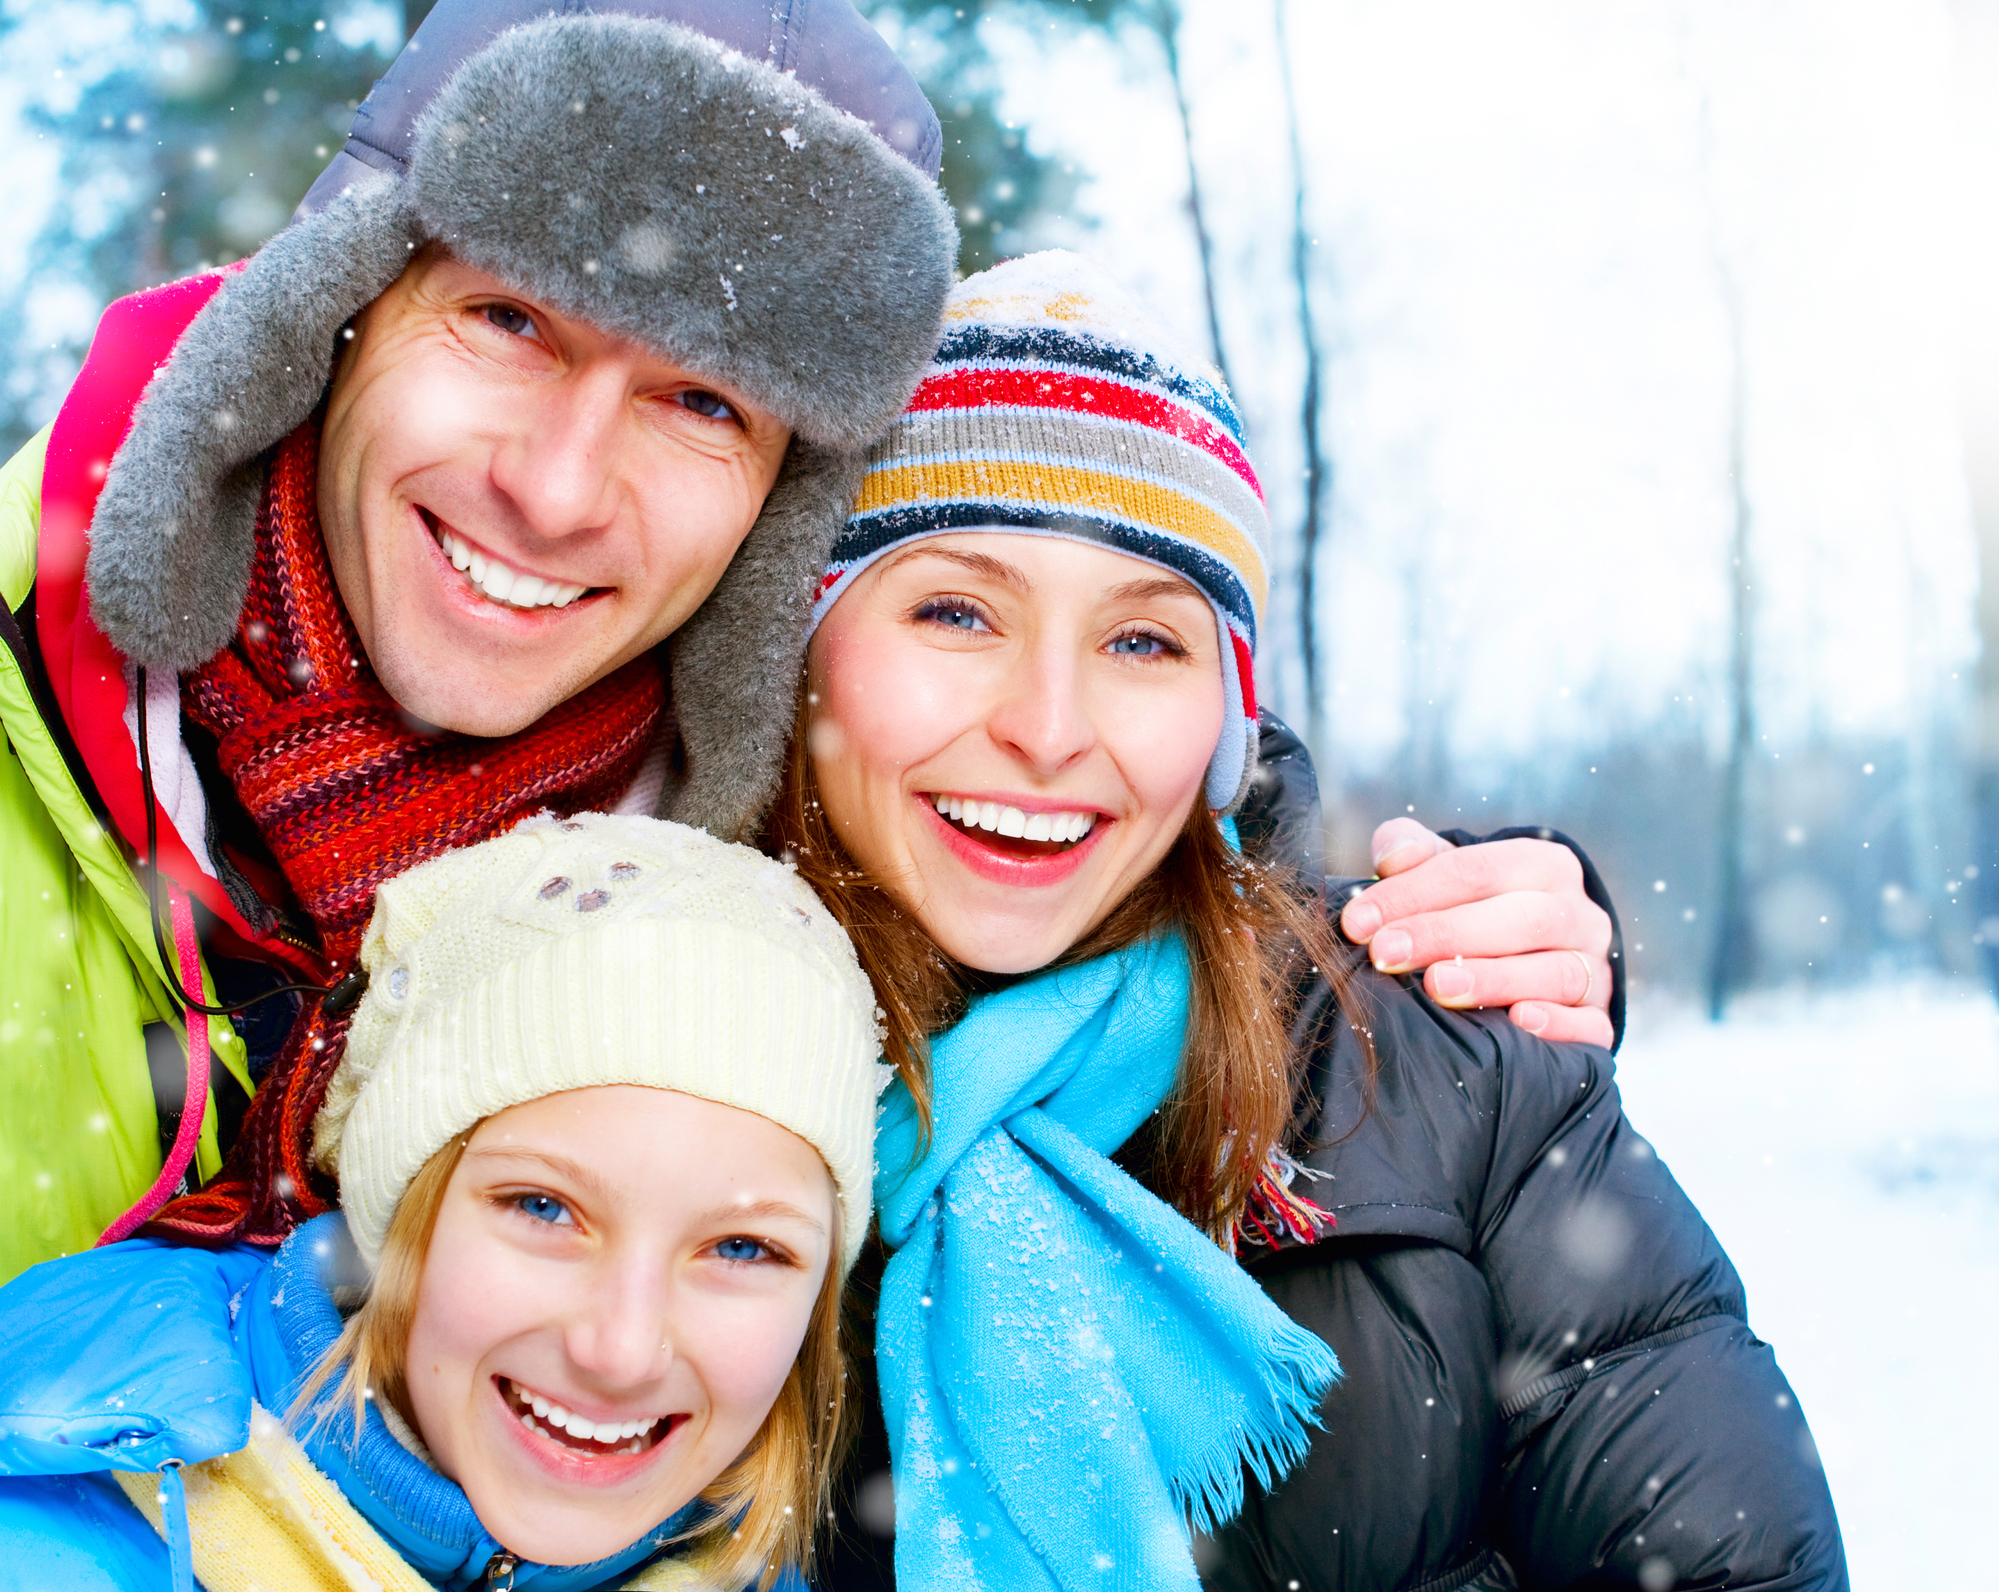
[80, 978]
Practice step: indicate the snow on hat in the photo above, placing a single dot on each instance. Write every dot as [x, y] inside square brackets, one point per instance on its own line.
[567, 954]
[1055, 406]
[747, 190]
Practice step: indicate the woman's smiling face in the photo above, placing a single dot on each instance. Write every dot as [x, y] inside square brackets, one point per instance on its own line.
[1059, 701]
[617, 1286]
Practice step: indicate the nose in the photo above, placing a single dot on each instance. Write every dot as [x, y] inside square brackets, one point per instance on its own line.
[559, 461]
[621, 1335]
[1041, 714]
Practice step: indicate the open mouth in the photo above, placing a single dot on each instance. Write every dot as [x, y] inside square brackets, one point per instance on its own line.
[1013, 831]
[577, 1433]
[496, 581]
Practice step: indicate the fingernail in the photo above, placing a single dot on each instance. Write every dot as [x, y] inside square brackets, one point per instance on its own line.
[1531, 1015]
[1452, 981]
[1392, 949]
[1361, 919]
[1399, 847]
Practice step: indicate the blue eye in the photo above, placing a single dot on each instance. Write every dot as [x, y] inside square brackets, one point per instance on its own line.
[1141, 644]
[954, 615]
[707, 405]
[545, 1208]
[741, 1249]
[514, 322]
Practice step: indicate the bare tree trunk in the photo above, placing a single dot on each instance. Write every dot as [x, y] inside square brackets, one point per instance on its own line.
[1316, 471]
[1165, 18]
[1733, 936]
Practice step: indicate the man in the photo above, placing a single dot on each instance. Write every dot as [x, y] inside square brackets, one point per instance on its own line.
[609, 305]
[369, 548]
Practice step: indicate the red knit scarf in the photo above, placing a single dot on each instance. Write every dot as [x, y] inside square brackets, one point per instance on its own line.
[346, 793]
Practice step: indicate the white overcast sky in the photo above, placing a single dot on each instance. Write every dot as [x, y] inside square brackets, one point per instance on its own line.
[1521, 245]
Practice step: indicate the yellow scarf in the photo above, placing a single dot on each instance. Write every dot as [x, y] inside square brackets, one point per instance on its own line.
[266, 1516]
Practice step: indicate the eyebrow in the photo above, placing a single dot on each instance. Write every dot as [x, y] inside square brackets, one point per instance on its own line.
[1143, 589]
[978, 563]
[722, 1215]
[1138, 591]
[574, 1171]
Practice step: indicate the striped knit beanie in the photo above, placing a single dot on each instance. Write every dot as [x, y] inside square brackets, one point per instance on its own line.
[1056, 406]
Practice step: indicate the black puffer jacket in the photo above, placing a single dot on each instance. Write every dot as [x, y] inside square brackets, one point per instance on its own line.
[1550, 1379]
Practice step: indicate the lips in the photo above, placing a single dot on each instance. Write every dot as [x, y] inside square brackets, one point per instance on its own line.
[1011, 859]
[577, 1434]
[1014, 823]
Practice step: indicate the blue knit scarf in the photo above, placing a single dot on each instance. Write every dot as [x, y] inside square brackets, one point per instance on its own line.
[1071, 1370]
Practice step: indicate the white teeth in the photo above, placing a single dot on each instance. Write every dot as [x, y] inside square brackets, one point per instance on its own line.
[630, 1435]
[504, 584]
[996, 816]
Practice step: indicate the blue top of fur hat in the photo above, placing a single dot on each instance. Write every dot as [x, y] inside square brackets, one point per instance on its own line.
[828, 46]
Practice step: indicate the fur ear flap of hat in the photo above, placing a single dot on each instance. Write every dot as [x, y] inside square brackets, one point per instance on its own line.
[593, 951]
[634, 173]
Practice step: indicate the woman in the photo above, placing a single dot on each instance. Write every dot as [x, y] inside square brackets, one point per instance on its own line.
[1029, 694]
[602, 1131]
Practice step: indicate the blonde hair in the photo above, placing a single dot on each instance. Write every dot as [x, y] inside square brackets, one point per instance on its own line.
[761, 1510]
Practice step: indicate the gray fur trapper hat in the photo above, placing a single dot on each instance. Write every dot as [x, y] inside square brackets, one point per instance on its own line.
[746, 188]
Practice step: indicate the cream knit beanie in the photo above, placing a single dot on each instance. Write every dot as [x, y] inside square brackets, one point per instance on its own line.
[599, 950]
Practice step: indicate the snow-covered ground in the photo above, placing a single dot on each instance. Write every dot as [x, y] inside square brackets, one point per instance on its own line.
[1845, 1147]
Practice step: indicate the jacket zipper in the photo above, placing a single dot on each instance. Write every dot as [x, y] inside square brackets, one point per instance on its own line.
[500, 1572]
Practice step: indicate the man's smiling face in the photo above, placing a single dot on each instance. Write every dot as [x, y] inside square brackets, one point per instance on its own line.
[515, 503]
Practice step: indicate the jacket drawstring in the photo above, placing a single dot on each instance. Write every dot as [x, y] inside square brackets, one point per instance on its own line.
[173, 1516]
[195, 1103]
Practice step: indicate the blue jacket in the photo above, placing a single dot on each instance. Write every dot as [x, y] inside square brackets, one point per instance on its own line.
[130, 1357]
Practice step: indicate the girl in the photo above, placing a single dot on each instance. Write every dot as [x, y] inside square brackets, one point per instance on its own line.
[1030, 699]
[603, 1140]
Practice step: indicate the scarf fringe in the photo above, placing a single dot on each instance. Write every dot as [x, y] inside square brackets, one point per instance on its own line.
[1276, 1215]
[1212, 1495]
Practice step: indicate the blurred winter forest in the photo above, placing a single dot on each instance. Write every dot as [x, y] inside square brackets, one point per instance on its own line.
[1603, 365]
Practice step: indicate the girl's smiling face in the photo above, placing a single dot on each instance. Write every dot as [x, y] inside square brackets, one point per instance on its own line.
[616, 1288]
[1009, 732]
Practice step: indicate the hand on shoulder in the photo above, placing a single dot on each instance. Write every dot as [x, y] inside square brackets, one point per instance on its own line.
[1503, 924]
